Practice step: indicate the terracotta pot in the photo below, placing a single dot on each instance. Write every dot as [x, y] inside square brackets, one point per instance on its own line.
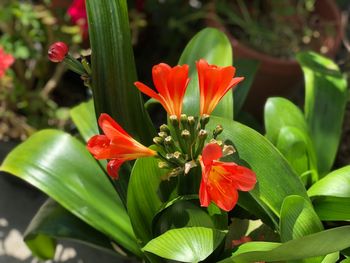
[276, 76]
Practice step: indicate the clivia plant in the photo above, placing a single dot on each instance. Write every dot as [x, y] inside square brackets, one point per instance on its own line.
[203, 187]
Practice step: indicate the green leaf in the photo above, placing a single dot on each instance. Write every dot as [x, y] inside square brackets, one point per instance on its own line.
[143, 201]
[53, 222]
[287, 129]
[325, 100]
[183, 213]
[331, 258]
[298, 218]
[330, 208]
[190, 244]
[245, 68]
[279, 113]
[113, 68]
[336, 183]
[331, 195]
[297, 147]
[214, 46]
[275, 178]
[314, 245]
[84, 118]
[59, 165]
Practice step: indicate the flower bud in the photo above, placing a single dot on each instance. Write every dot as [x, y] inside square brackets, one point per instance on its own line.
[218, 130]
[204, 120]
[173, 120]
[164, 128]
[57, 51]
[162, 134]
[158, 140]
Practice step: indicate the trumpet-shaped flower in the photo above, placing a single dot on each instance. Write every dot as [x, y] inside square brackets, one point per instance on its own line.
[171, 84]
[221, 180]
[214, 83]
[116, 145]
[6, 60]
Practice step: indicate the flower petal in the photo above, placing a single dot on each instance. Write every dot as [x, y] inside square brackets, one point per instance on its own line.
[243, 178]
[203, 194]
[99, 146]
[212, 151]
[113, 168]
[110, 127]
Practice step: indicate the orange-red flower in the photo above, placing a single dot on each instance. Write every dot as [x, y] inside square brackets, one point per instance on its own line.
[214, 83]
[116, 144]
[220, 180]
[171, 84]
[6, 60]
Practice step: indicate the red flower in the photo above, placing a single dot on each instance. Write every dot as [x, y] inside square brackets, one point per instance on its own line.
[77, 13]
[116, 145]
[57, 51]
[6, 60]
[214, 83]
[220, 181]
[171, 83]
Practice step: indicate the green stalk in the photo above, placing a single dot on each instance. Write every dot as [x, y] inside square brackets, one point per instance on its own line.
[113, 68]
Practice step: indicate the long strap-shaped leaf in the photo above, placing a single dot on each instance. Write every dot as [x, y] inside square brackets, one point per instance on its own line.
[319, 244]
[53, 222]
[113, 67]
[325, 100]
[59, 165]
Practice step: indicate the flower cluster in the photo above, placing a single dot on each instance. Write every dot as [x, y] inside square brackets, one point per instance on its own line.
[180, 145]
[6, 60]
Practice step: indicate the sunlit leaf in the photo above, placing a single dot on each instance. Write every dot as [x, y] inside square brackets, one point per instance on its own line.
[325, 100]
[190, 244]
[59, 165]
[318, 244]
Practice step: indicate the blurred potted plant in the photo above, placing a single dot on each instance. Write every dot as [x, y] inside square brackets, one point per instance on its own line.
[26, 101]
[271, 32]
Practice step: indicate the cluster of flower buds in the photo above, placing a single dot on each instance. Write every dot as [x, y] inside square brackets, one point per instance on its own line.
[181, 142]
[59, 52]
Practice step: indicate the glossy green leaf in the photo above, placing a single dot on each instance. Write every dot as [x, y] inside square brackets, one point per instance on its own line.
[59, 165]
[279, 113]
[330, 208]
[325, 100]
[214, 46]
[331, 195]
[186, 213]
[297, 147]
[84, 118]
[53, 222]
[275, 178]
[143, 200]
[113, 68]
[298, 218]
[314, 245]
[190, 244]
[287, 129]
[331, 258]
[336, 183]
[244, 68]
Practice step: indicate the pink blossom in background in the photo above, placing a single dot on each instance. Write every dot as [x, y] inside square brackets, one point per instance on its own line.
[77, 13]
[6, 60]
